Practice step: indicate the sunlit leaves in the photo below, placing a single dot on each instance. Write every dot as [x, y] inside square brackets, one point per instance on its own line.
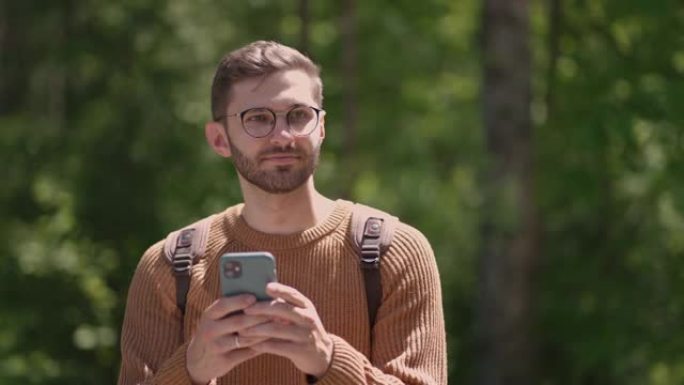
[101, 135]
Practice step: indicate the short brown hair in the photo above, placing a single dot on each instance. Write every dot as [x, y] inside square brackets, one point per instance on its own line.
[257, 59]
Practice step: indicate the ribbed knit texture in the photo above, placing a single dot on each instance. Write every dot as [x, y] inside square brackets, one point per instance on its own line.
[409, 342]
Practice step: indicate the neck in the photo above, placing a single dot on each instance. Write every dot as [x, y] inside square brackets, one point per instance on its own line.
[286, 213]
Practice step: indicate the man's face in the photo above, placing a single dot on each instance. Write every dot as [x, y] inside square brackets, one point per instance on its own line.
[279, 162]
[289, 169]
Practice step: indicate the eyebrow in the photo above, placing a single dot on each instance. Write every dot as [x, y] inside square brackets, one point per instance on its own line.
[289, 107]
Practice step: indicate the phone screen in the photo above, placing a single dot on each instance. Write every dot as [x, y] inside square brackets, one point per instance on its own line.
[249, 272]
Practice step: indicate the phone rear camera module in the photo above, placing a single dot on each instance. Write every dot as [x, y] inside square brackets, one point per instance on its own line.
[232, 269]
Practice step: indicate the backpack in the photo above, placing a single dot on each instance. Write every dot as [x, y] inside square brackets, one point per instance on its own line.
[371, 233]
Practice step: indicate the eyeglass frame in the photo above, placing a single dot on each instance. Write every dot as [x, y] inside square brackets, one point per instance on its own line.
[242, 113]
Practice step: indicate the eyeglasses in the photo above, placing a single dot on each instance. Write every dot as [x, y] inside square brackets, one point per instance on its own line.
[260, 122]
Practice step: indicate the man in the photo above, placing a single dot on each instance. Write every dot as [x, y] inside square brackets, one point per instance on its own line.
[268, 117]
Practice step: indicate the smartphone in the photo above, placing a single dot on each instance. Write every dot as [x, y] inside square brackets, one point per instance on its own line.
[242, 273]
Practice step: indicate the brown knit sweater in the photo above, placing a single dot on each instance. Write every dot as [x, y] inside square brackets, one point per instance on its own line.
[409, 343]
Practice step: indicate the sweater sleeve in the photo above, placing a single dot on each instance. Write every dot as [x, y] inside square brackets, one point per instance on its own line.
[152, 349]
[409, 339]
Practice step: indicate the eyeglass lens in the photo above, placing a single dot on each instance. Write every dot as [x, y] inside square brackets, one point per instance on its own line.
[259, 122]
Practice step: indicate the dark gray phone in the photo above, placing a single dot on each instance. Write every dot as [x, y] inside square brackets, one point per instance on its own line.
[242, 273]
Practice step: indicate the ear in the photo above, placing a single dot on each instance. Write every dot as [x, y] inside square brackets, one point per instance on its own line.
[322, 127]
[217, 138]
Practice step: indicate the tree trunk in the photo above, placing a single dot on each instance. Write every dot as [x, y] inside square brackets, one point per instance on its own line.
[4, 94]
[350, 92]
[305, 23]
[510, 225]
[555, 20]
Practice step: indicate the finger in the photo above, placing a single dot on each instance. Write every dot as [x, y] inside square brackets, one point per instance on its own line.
[239, 356]
[226, 305]
[292, 333]
[283, 311]
[274, 305]
[233, 324]
[233, 342]
[287, 293]
[277, 347]
[246, 342]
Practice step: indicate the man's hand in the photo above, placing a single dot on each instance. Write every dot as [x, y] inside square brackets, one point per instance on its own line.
[295, 331]
[216, 348]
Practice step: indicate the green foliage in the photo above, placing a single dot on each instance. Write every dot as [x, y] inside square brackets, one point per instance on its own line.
[102, 106]
[610, 159]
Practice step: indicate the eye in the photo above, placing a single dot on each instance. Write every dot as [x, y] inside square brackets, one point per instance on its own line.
[301, 114]
[257, 116]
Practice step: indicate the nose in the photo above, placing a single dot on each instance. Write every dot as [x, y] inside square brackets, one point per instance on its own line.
[281, 135]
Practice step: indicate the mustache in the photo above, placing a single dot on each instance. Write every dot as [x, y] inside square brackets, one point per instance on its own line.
[281, 151]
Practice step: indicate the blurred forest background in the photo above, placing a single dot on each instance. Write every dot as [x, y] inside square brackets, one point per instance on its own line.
[537, 144]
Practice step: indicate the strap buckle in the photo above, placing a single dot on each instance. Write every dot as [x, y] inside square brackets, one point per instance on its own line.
[370, 243]
[370, 256]
[185, 238]
[373, 228]
[182, 256]
[182, 261]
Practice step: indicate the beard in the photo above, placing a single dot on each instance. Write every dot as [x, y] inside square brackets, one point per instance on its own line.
[281, 179]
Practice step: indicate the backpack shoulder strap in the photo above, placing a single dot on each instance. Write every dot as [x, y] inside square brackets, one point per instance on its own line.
[371, 231]
[182, 248]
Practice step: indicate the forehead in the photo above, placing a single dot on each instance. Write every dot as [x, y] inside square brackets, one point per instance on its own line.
[280, 89]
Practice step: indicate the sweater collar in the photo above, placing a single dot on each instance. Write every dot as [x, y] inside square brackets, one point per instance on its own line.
[237, 228]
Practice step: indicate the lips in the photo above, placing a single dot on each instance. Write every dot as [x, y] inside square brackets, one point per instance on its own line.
[280, 158]
[283, 156]
[275, 153]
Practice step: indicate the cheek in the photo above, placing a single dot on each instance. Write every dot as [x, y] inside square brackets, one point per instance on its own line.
[242, 142]
[318, 142]
[308, 144]
[243, 149]
[252, 148]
